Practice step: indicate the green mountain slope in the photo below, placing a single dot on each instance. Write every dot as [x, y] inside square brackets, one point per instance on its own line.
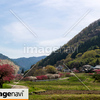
[90, 57]
[87, 39]
[87, 33]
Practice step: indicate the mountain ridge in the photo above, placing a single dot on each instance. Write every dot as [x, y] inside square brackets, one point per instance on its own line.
[87, 35]
[27, 62]
[23, 62]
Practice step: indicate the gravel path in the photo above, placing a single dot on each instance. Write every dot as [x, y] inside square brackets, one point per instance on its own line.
[19, 87]
[64, 78]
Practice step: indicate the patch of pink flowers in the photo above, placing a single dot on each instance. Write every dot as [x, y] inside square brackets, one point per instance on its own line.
[61, 75]
[11, 77]
[90, 74]
[76, 71]
[67, 74]
[97, 71]
[42, 77]
[6, 72]
[18, 77]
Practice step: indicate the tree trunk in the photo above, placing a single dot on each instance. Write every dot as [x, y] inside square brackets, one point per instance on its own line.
[1, 82]
[1, 85]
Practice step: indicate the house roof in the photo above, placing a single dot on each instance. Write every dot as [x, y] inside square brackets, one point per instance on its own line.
[97, 66]
[87, 66]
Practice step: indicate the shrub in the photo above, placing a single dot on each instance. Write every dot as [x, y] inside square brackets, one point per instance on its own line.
[29, 78]
[97, 71]
[38, 77]
[67, 75]
[39, 72]
[96, 76]
[90, 74]
[61, 75]
[18, 77]
[76, 71]
[50, 76]
[50, 69]
[11, 77]
[56, 76]
[42, 77]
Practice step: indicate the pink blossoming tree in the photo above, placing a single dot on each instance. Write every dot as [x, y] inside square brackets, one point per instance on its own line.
[6, 74]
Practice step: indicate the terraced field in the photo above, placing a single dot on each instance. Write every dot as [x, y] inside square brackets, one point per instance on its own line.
[68, 89]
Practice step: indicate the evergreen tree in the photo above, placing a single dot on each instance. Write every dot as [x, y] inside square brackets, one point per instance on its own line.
[22, 71]
[97, 62]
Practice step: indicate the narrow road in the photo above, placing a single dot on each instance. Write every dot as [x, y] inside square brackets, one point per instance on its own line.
[64, 78]
[19, 87]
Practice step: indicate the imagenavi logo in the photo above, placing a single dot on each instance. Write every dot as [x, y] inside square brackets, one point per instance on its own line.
[14, 94]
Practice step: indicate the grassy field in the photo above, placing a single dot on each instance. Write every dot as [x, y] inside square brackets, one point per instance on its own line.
[72, 83]
[65, 97]
[6, 85]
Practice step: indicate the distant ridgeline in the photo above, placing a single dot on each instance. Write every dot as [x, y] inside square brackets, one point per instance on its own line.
[87, 39]
[23, 63]
[26, 63]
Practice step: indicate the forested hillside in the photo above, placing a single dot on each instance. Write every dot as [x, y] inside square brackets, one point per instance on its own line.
[87, 39]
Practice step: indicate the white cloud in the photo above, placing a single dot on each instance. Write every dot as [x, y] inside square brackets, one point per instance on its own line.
[54, 42]
[18, 32]
[49, 18]
[13, 53]
[16, 53]
[71, 3]
[25, 2]
[58, 4]
[91, 3]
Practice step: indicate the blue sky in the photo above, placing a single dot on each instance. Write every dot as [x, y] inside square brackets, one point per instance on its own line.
[49, 19]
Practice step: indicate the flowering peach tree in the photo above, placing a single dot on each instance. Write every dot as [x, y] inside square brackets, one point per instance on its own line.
[6, 74]
[42, 77]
